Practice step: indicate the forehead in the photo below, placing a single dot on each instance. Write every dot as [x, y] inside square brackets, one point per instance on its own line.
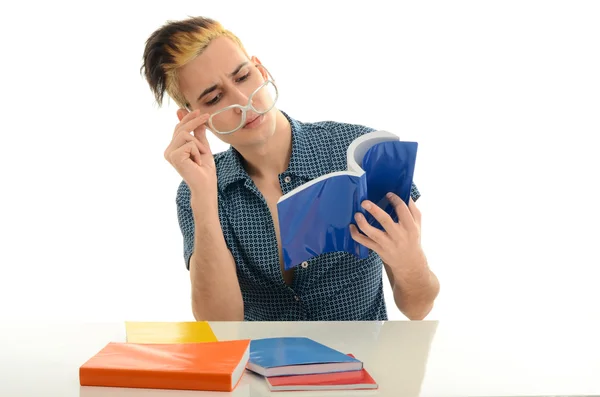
[217, 60]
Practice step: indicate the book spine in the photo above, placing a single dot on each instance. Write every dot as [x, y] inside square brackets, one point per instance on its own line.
[361, 195]
[156, 379]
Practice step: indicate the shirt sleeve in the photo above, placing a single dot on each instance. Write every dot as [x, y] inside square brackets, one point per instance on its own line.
[414, 192]
[185, 218]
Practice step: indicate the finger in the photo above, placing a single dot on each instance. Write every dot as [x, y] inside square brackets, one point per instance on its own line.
[185, 137]
[181, 140]
[195, 154]
[405, 218]
[200, 132]
[380, 215]
[187, 151]
[373, 233]
[414, 210]
[362, 239]
[198, 126]
[189, 116]
[193, 123]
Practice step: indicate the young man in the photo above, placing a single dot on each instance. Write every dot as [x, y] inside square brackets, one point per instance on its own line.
[226, 203]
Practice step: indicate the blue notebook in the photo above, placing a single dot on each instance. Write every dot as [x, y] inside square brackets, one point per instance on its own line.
[297, 356]
[315, 217]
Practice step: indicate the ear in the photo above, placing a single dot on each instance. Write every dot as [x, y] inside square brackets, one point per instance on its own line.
[263, 72]
[181, 113]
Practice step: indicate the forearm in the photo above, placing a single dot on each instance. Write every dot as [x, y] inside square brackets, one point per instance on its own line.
[216, 294]
[415, 291]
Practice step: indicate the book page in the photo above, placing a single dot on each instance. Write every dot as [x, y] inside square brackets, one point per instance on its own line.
[358, 148]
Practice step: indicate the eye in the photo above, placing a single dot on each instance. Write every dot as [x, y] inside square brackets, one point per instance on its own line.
[214, 100]
[243, 78]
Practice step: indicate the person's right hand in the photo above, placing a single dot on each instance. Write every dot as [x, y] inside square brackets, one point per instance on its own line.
[190, 154]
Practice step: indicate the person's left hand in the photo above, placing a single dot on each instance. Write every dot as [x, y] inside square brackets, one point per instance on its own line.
[399, 246]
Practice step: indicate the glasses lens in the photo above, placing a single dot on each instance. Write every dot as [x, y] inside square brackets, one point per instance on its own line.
[227, 121]
[265, 98]
[230, 120]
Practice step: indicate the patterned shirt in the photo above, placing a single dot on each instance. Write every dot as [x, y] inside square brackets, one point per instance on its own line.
[330, 287]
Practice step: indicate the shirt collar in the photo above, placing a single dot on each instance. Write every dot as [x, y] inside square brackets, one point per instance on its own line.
[230, 169]
[304, 161]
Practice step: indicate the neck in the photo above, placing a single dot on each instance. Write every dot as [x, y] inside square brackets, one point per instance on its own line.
[270, 157]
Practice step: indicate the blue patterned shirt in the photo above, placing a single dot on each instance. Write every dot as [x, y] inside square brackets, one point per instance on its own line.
[330, 287]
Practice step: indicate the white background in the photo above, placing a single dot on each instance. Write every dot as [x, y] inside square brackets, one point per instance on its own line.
[503, 98]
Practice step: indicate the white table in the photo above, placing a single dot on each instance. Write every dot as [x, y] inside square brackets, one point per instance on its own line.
[405, 358]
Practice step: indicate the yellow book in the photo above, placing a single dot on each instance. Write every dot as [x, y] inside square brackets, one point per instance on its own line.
[169, 332]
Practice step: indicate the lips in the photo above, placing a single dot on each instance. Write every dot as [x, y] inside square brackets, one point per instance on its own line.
[251, 121]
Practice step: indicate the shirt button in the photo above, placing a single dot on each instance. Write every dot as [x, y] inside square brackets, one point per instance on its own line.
[304, 265]
[296, 297]
[287, 179]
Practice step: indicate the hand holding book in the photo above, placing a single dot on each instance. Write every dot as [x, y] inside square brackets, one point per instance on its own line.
[399, 243]
[315, 217]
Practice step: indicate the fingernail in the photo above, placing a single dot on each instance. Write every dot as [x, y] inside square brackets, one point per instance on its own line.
[389, 196]
[366, 205]
[358, 216]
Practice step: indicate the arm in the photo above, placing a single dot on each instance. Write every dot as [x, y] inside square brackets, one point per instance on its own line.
[414, 285]
[216, 294]
[414, 290]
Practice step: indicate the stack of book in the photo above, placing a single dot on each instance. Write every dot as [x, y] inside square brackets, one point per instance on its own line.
[188, 356]
[300, 363]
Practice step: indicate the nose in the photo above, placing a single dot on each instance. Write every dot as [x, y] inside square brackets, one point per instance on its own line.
[240, 97]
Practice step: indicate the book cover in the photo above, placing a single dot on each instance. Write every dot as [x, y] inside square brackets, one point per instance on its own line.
[315, 217]
[349, 380]
[209, 366]
[297, 355]
[169, 332]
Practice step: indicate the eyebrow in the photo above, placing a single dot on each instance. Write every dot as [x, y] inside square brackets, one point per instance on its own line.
[214, 86]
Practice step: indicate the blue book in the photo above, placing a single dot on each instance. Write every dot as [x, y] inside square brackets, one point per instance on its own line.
[315, 217]
[282, 356]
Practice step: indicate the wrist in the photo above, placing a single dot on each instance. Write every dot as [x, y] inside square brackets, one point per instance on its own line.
[206, 206]
[207, 223]
[416, 273]
[203, 196]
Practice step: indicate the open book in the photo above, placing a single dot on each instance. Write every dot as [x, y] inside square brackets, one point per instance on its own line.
[315, 217]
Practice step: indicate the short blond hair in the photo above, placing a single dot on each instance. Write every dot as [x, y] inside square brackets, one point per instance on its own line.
[172, 46]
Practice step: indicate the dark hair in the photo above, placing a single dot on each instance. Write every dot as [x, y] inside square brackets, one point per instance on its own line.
[172, 46]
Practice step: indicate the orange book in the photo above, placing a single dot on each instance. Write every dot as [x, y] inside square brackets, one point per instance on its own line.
[207, 366]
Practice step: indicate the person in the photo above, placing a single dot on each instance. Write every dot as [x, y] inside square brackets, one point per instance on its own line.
[227, 201]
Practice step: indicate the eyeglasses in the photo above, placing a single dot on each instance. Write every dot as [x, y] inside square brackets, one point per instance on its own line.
[229, 119]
